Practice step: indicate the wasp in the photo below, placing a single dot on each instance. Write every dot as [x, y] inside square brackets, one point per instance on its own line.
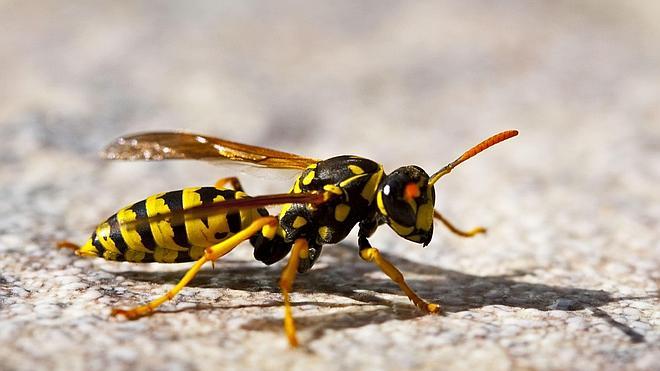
[328, 199]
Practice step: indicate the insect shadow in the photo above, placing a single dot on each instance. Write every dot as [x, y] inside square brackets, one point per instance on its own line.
[345, 274]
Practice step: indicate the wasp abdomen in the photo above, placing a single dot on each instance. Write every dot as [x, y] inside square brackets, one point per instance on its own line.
[122, 237]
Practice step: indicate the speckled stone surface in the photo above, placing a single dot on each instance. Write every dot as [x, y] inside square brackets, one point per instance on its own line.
[567, 277]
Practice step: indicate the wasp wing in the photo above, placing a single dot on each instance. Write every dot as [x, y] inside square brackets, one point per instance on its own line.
[177, 217]
[176, 146]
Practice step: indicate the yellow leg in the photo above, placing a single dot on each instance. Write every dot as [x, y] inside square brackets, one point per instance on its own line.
[451, 227]
[371, 254]
[211, 254]
[232, 180]
[299, 250]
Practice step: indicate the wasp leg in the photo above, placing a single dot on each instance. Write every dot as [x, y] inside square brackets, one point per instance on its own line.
[232, 181]
[300, 251]
[268, 226]
[371, 254]
[451, 227]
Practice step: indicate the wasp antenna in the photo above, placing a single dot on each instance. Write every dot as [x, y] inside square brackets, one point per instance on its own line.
[472, 152]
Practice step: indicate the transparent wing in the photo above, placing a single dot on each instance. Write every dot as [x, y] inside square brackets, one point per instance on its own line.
[158, 146]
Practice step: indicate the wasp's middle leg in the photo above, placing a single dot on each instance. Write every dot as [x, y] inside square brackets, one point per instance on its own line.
[300, 251]
[268, 226]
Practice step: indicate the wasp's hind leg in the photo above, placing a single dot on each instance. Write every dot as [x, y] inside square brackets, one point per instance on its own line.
[471, 233]
[232, 181]
[267, 225]
[371, 254]
[300, 251]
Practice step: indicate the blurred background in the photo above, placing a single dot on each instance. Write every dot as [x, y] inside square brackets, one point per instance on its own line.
[574, 199]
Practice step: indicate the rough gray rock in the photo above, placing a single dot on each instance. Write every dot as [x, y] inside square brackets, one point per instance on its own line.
[567, 277]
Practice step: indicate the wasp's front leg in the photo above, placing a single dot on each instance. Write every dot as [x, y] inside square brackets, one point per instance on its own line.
[371, 254]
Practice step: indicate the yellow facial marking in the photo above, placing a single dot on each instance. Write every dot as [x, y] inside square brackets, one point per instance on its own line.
[424, 217]
[381, 206]
[415, 238]
[341, 212]
[355, 169]
[413, 204]
[307, 180]
[401, 230]
[369, 189]
[299, 222]
[324, 232]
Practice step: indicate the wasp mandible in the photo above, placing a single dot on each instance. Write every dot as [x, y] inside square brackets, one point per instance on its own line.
[326, 201]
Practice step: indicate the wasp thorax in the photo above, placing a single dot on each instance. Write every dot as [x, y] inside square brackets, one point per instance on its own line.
[405, 199]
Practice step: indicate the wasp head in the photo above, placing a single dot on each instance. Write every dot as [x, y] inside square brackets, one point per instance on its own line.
[405, 199]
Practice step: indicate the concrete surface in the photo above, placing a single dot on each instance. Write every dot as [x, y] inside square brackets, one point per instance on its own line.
[567, 277]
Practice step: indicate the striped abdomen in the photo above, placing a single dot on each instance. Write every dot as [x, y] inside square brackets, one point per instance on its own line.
[176, 239]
